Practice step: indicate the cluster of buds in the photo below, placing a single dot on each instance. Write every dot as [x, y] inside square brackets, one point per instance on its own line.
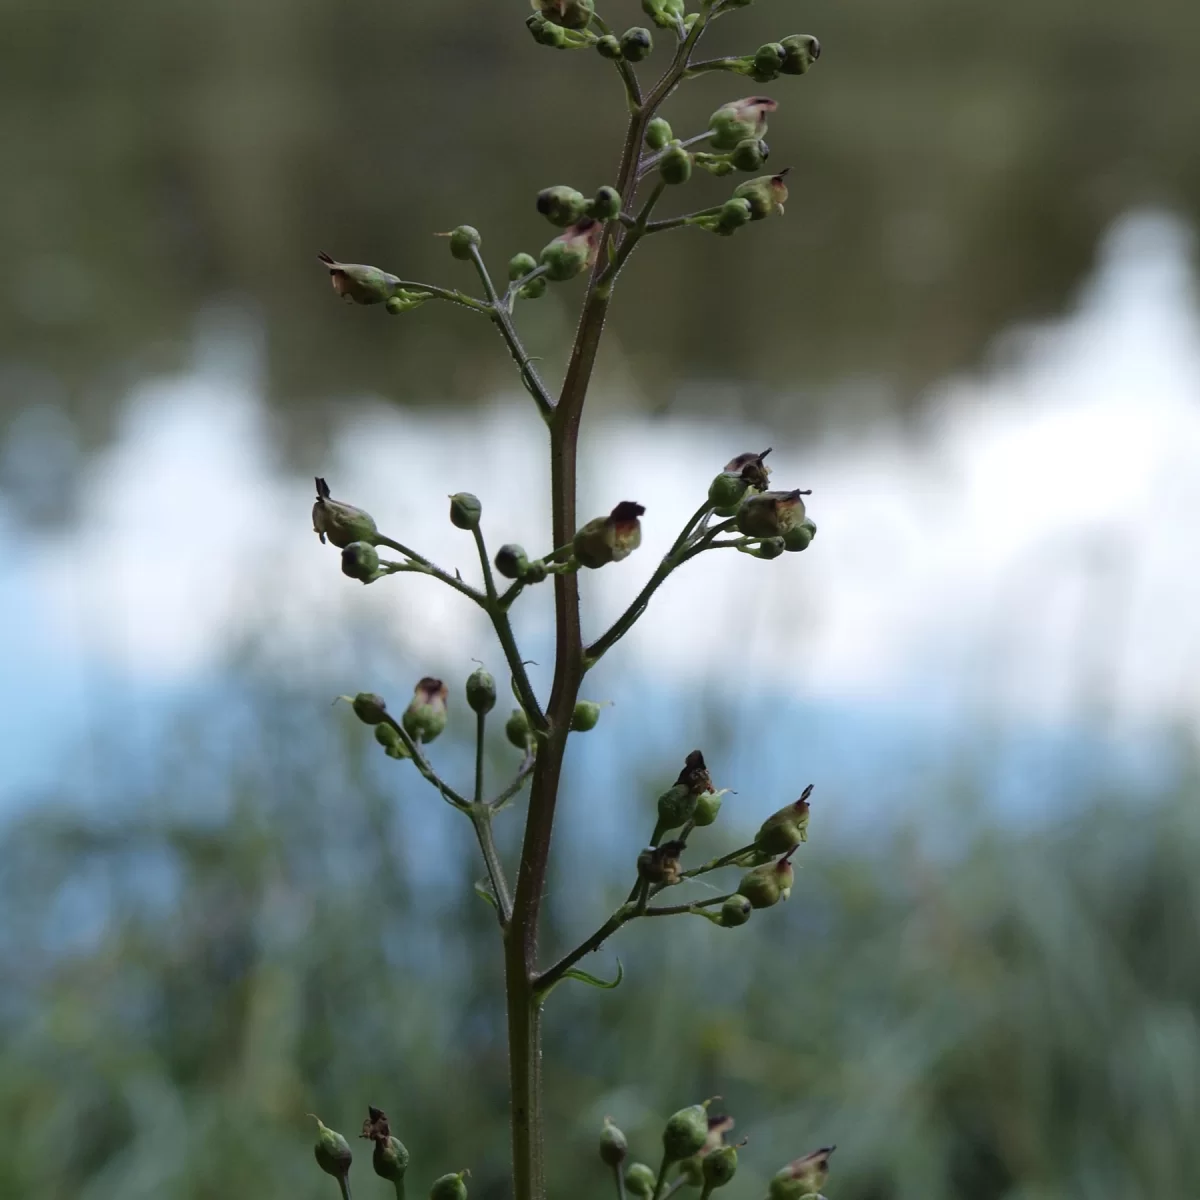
[776, 520]
[632, 46]
[423, 720]
[740, 121]
[563, 206]
[562, 24]
[792, 55]
[609, 539]
[691, 798]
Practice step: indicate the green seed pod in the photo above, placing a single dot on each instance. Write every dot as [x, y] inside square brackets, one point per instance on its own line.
[767, 195]
[561, 205]
[640, 1180]
[573, 251]
[465, 510]
[392, 743]
[463, 240]
[425, 717]
[481, 691]
[358, 282]
[390, 1157]
[735, 911]
[785, 829]
[750, 154]
[609, 539]
[667, 14]
[658, 134]
[449, 1187]
[686, 1132]
[511, 561]
[676, 806]
[766, 885]
[799, 537]
[341, 523]
[360, 560]
[720, 1166]
[740, 119]
[369, 708]
[331, 1151]
[636, 44]
[708, 805]
[676, 164]
[768, 62]
[518, 730]
[571, 14]
[520, 265]
[535, 289]
[800, 51]
[585, 716]
[608, 47]
[802, 1177]
[770, 514]
[725, 491]
[614, 1149]
[606, 204]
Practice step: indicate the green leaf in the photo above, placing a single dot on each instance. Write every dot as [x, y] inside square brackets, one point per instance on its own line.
[592, 980]
[485, 892]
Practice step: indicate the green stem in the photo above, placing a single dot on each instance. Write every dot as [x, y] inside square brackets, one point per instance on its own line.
[676, 910]
[422, 764]
[523, 773]
[712, 64]
[548, 978]
[706, 1192]
[480, 726]
[481, 819]
[450, 294]
[620, 1179]
[344, 1186]
[662, 1177]
[430, 568]
[648, 164]
[726, 860]
[399, 1186]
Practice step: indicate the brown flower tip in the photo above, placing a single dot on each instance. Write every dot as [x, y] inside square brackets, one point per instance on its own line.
[375, 1127]
[695, 776]
[627, 511]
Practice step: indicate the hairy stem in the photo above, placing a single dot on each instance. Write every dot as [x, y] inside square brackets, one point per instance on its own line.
[481, 819]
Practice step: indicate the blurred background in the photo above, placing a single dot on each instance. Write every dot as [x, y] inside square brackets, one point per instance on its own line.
[975, 335]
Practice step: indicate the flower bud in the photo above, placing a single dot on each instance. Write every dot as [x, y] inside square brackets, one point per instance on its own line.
[332, 1151]
[546, 34]
[518, 730]
[360, 560]
[425, 717]
[341, 523]
[481, 691]
[449, 1187]
[392, 743]
[720, 1166]
[675, 806]
[463, 240]
[561, 205]
[369, 708]
[585, 716]
[571, 14]
[534, 572]
[511, 561]
[767, 194]
[609, 539]
[640, 1180]
[573, 251]
[800, 51]
[606, 204]
[660, 864]
[768, 62]
[665, 13]
[390, 1157]
[785, 829]
[613, 1147]
[358, 282]
[658, 134]
[735, 911]
[799, 537]
[465, 510]
[769, 549]
[744, 473]
[708, 805]
[404, 302]
[686, 1131]
[636, 44]
[608, 47]
[676, 164]
[802, 1177]
[766, 885]
[770, 514]
[750, 154]
[520, 265]
[740, 119]
[535, 289]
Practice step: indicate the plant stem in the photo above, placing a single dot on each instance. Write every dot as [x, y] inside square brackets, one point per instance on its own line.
[422, 764]
[676, 910]
[523, 772]
[620, 1181]
[480, 725]
[662, 1177]
[430, 568]
[481, 819]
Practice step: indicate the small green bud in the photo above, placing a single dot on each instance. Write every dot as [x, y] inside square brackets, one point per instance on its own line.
[425, 717]
[606, 204]
[358, 282]
[585, 716]
[390, 1157]
[802, 1177]
[640, 1180]
[797, 538]
[676, 164]
[708, 805]
[676, 806]
[686, 1132]
[766, 885]
[614, 1149]
[725, 491]
[769, 549]
[667, 14]
[800, 51]
[768, 62]
[784, 830]
[331, 1151]
[520, 265]
[561, 205]
[360, 560]
[534, 571]
[658, 134]
[463, 240]
[449, 1187]
[608, 47]
[735, 911]
[481, 691]
[609, 539]
[770, 514]
[573, 251]
[767, 195]
[518, 730]
[465, 510]
[740, 119]
[404, 302]
[636, 44]
[511, 561]
[392, 743]
[750, 154]
[535, 289]
[369, 708]
[341, 523]
[571, 14]
[720, 1166]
